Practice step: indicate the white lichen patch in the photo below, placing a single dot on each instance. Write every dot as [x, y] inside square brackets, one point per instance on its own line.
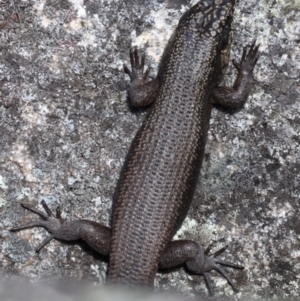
[35, 118]
[77, 24]
[23, 51]
[2, 202]
[190, 225]
[54, 64]
[82, 21]
[45, 21]
[39, 6]
[23, 193]
[20, 154]
[296, 254]
[157, 38]
[280, 213]
[88, 39]
[2, 183]
[78, 5]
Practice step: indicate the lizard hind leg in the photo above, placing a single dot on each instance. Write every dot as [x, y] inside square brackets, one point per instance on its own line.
[94, 234]
[197, 261]
[49, 222]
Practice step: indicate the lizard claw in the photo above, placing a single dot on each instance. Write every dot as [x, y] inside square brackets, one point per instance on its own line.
[248, 60]
[137, 66]
[49, 221]
[212, 263]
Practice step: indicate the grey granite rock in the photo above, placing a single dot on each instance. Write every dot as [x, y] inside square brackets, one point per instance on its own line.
[65, 128]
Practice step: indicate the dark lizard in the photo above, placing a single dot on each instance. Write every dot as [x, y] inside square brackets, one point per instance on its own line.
[161, 169]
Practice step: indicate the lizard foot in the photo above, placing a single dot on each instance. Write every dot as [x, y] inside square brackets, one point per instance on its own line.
[142, 91]
[137, 66]
[50, 222]
[96, 235]
[197, 261]
[248, 60]
[211, 262]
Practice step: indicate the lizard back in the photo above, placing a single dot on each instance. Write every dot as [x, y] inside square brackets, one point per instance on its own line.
[160, 172]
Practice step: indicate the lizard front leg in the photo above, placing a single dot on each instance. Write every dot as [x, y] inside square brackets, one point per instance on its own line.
[142, 91]
[236, 96]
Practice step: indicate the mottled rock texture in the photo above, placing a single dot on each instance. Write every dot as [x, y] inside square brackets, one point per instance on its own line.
[65, 128]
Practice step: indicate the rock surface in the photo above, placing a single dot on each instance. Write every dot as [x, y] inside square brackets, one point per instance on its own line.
[66, 126]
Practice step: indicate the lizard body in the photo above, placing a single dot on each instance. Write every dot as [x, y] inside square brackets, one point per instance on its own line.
[160, 172]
